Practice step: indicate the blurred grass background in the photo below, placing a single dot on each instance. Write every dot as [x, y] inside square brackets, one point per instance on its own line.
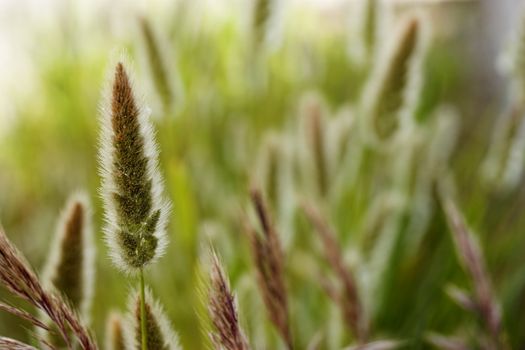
[234, 93]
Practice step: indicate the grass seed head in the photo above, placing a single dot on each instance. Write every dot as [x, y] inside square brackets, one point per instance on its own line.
[18, 278]
[115, 332]
[158, 327]
[136, 214]
[222, 308]
[471, 257]
[269, 264]
[70, 265]
[395, 82]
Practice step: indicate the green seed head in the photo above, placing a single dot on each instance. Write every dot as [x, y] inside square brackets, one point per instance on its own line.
[395, 83]
[160, 334]
[70, 265]
[136, 214]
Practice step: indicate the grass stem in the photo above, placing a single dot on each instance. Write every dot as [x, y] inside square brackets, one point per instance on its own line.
[143, 312]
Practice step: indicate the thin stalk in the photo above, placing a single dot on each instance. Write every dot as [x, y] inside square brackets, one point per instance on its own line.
[143, 312]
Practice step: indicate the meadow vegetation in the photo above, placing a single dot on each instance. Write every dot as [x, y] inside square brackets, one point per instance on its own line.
[264, 182]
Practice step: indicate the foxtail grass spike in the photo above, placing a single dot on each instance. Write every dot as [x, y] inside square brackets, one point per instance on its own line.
[115, 332]
[135, 212]
[222, 308]
[70, 265]
[471, 257]
[18, 278]
[269, 260]
[160, 334]
[389, 92]
[348, 300]
[159, 66]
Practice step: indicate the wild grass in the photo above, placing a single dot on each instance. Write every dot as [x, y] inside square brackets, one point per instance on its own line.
[342, 194]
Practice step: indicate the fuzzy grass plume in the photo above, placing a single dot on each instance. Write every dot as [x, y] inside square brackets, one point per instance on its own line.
[269, 260]
[390, 88]
[135, 212]
[17, 277]
[222, 308]
[160, 335]
[115, 332]
[70, 268]
[70, 265]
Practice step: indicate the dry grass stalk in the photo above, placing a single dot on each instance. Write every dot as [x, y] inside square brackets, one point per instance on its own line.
[136, 214]
[471, 257]
[11, 344]
[115, 337]
[222, 308]
[269, 263]
[24, 315]
[348, 299]
[19, 279]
